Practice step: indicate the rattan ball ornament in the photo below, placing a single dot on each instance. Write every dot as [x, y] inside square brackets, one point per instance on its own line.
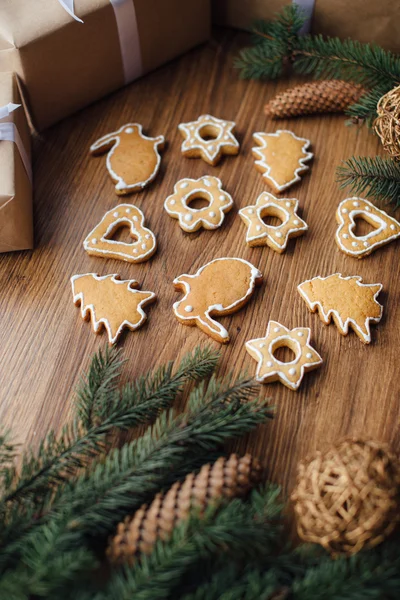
[348, 498]
[387, 123]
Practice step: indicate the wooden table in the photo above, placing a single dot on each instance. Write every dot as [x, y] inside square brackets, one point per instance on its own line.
[44, 344]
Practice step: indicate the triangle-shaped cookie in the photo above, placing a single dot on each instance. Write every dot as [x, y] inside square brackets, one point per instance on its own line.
[99, 242]
[386, 228]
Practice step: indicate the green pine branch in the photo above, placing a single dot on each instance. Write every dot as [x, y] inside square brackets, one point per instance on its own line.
[235, 531]
[376, 177]
[32, 492]
[277, 45]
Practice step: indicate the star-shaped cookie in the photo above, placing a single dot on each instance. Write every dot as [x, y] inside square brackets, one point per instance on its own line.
[261, 234]
[271, 369]
[208, 138]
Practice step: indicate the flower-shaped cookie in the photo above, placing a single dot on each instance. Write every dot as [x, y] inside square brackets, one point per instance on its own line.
[270, 368]
[276, 237]
[186, 191]
[208, 138]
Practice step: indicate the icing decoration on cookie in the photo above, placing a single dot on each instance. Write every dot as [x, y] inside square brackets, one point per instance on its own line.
[133, 159]
[221, 287]
[346, 300]
[110, 302]
[281, 157]
[191, 219]
[386, 228]
[208, 138]
[261, 234]
[99, 242]
[271, 369]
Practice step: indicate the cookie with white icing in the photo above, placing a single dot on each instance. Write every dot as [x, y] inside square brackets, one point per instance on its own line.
[276, 237]
[110, 303]
[208, 138]
[133, 159]
[207, 188]
[281, 157]
[386, 229]
[346, 300]
[270, 369]
[221, 287]
[99, 242]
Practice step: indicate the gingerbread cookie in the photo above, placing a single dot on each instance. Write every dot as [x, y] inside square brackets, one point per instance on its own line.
[133, 159]
[110, 302]
[347, 300]
[221, 287]
[99, 242]
[281, 157]
[191, 219]
[208, 138]
[271, 369]
[261, 234]
[386, 228]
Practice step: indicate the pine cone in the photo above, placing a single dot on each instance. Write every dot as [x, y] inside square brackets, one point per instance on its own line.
[328, 96]
[226, 478]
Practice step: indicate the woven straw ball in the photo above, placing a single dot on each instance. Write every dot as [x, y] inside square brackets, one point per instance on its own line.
[387, 123]
[348, 498]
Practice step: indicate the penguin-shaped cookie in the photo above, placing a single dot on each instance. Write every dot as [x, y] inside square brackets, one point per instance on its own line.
[133, 159]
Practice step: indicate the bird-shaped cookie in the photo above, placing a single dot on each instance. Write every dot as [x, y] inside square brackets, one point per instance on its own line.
[133, 159]
[221, 287]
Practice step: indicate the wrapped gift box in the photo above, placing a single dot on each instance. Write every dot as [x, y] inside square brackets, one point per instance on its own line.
[15, 170]
[363, 20]
[65, 65]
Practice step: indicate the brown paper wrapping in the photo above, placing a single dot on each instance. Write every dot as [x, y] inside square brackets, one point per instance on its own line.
[66, 65]
[16, 231]
[363, 20]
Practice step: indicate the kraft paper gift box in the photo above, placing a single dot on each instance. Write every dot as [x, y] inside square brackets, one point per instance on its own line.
[65, 64]
[15, 169]
[363, 20]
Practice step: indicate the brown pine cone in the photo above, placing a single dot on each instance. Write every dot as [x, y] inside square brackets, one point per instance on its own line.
[330, 96]
[226, 478]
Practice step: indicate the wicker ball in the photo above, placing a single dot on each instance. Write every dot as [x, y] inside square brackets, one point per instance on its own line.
[387, 123]
[348, 498]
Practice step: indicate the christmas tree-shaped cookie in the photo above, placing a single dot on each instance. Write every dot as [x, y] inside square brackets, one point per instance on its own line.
[281, 157]
[110, 302]
[346, 300]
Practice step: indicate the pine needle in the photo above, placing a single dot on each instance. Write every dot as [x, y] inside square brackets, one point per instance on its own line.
[376, 177]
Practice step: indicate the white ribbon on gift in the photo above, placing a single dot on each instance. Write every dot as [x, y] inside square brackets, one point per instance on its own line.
[307, 7]
[10, 133]
[125, 16]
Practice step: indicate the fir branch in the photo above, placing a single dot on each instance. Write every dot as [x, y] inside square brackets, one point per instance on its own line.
[232, 530]
[365, 109]
[274, 44]
[57, 459]
[8, 452]
[376, 177]
[332, 58]
[173, 447]
[98, 386]
[373, 574]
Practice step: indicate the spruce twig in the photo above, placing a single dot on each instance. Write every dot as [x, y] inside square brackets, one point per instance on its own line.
[376, 177]
[30, 497]
[235, 530]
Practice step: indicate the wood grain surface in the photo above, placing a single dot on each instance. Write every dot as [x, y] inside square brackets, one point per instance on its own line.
[44, 344]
